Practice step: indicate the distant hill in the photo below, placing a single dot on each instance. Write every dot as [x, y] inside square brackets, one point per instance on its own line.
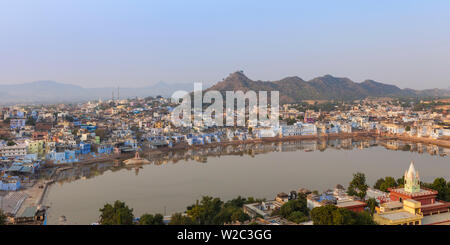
[295, 89]
[292, 89]
[54, 92]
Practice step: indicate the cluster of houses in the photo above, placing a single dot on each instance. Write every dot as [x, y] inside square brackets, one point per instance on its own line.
[409, 204]
[34, 136]
[65, 134]
[376, 116]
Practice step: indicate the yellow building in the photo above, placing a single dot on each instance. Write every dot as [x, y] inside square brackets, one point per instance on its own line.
[159, 124]
[64, 124]
[409, 214]
[36, 147]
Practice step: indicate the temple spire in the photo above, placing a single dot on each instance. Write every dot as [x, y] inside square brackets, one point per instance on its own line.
[412, 181]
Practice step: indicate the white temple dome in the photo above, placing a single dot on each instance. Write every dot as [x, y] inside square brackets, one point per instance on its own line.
[411, 171]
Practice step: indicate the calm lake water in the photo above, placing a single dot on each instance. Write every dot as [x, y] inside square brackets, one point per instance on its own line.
[260, 171]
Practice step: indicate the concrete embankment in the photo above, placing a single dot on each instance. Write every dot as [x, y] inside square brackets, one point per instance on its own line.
[355, 135]
[40, 199]
[438, 142]
[184, 146]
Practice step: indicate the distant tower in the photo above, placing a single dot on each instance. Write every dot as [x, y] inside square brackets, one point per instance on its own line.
[112, 98]
[118, 93]
[412, 180]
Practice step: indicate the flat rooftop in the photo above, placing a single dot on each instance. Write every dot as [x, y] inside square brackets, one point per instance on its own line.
[398, 215]
[350, 203]
[391, 205]
[436, 219]
[436, 204]
[421, 192]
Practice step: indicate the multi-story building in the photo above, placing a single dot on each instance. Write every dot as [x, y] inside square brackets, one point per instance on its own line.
[14, 150]
[409, 213]
[413, 190]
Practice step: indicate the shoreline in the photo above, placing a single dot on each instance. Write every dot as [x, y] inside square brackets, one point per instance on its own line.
[183, 146]
[154, 152]
[333, 146]
[354, 136]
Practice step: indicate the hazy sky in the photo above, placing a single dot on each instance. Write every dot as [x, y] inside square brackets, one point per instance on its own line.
[97, 43]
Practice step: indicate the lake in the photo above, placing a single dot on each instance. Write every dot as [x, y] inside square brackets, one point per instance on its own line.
[176, 180]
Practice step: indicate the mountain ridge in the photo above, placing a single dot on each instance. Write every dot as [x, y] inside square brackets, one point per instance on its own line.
[294, 89]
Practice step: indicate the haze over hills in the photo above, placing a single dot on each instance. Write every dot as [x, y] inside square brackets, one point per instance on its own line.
[54, 92]
[294, 89]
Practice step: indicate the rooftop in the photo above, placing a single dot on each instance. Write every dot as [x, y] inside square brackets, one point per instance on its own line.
[392, 205]
[421, 192]
[398, 215]
[436, 204]
[436, 219]
[29, 212]
[350, 203]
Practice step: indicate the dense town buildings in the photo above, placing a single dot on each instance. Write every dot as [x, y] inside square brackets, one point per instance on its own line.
[34, 137]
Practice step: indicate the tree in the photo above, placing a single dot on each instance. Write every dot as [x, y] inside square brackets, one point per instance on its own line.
[298, 217]
[11, 143]
[239, 215]
[117, 214]
[372, 203]
[212, 211]
[401, 181]
[205, 212]
[332, 215]
[293, 208]
[2, 218]
[149, 219]
[440, 185]
[358, 186]
[236, 202]
[386, 183]
[342, 216]
[225, 215]
[389, 182]
[378, 184]
[364, 218]
[180, 219]
[323, 215]
[254, 200]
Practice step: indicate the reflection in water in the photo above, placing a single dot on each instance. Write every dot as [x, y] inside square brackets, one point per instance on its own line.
[259, 170]
[201, 155]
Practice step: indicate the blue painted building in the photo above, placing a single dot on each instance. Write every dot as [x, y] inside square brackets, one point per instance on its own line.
[10, 183]
[85, 148]
[68, 156]
[105, 149]
[17, 123]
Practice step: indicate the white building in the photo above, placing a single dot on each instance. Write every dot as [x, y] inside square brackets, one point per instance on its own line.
[299, 129]
[13, 151]
[266, 132]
